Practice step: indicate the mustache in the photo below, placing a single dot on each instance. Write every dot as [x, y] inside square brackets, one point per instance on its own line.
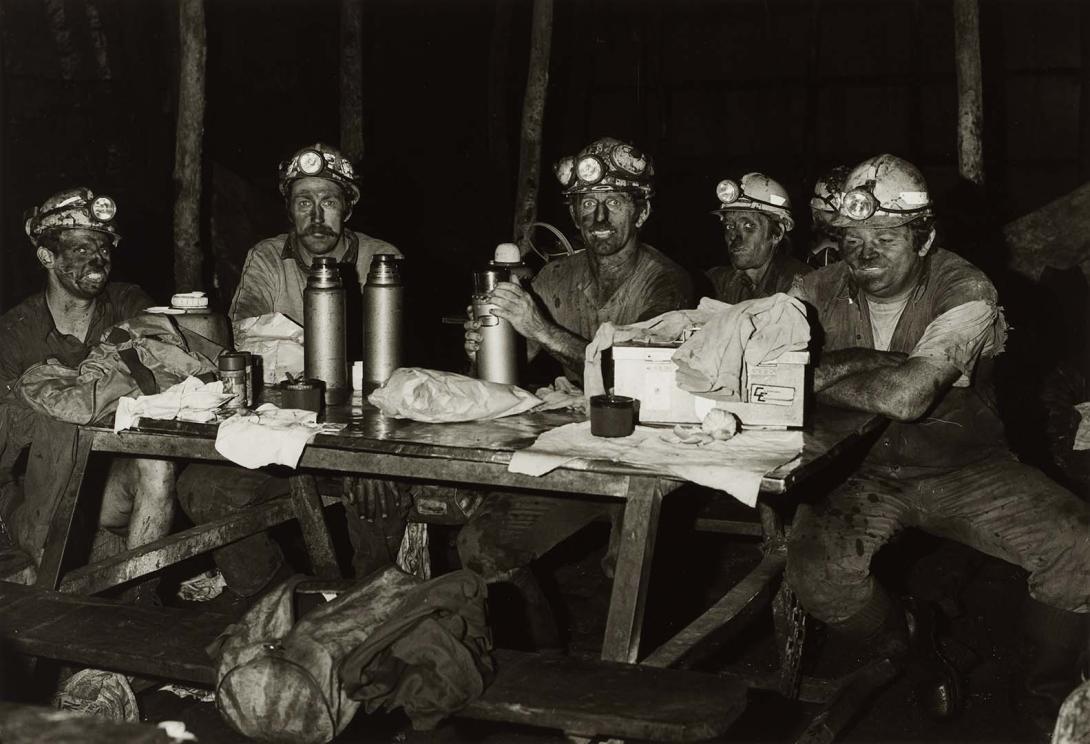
[320, 230]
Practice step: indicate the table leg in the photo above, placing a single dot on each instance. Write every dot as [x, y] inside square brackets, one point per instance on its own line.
[637, 546]
[308, 510]
[49, 570]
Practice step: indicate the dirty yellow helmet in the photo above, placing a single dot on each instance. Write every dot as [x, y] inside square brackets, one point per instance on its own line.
[73, 208]
[320, 161]
[828, 192]
[883, 191]
[755, 192]
[607, 164]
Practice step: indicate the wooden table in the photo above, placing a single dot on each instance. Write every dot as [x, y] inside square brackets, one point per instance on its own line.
[475, 453]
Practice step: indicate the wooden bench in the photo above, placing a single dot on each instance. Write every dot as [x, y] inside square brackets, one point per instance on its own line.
[580, 698]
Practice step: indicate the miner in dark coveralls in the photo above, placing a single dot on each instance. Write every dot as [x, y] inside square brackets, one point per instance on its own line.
[910, 332]
[619, 279]
[756, 217]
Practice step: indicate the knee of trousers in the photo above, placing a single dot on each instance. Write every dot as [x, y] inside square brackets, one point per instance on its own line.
[813, 575]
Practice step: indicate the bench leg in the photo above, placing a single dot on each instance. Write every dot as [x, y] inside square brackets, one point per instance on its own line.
[308, 510]
[49, 571]
[639, 526]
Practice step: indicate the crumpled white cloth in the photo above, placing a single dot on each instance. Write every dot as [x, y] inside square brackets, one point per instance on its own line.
[189, 400]
[269, 436]
[277, 339]
[563, 393]
[1082, 434]
[437, 396]
[735, 466]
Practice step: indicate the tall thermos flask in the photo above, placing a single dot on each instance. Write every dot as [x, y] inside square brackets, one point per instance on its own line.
[498, 355]
[383, 303]
[324, 355]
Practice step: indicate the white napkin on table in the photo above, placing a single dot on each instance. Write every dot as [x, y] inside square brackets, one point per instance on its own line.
[189, 400]
[269, 436]
[735, 466]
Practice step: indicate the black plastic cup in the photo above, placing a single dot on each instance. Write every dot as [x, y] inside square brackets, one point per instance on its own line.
[306, 395]
[612, 415]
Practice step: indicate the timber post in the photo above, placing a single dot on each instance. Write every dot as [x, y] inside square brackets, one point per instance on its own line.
[187, 146]
[351, 75]
[533, 114]
[970, 98]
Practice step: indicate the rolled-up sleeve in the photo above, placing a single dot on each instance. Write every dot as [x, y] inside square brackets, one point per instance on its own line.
[959, 336]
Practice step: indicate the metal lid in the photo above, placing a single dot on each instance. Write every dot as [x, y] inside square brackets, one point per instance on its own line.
[233, 361]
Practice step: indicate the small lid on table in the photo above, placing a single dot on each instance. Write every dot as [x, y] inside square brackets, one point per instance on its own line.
[189, 300]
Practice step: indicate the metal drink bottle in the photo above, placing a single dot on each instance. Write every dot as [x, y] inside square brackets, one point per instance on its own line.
[323, 329]
[383, 302]
[497, 357]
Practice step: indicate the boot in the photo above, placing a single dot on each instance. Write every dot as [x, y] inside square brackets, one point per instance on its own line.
[1054, 656]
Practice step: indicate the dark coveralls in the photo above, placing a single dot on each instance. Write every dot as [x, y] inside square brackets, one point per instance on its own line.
[28, 336]
[949, 473]
[509, 530]
[734, 286]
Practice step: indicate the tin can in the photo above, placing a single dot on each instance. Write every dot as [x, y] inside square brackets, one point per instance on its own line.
[234, 368]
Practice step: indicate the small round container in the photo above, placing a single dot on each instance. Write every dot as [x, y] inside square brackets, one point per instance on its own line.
[306, 395]
[612, 415]
[234, 369]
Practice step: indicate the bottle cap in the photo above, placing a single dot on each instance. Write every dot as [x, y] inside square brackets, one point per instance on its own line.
[189, 300]
[507, 253]
[233, 361]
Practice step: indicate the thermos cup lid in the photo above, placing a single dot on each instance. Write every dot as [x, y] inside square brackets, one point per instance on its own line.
[233, 361]
[189, 300]
[507, 253]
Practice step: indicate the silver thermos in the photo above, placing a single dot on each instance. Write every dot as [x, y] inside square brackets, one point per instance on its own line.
[498, 355]
[324, 355]
[383, 302]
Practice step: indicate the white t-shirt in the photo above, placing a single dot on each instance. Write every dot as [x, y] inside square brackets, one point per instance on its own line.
[883, 320]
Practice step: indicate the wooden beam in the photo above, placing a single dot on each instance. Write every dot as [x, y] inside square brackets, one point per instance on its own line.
[352, 79]
[970, 90]
[533, 115]
[187, 146]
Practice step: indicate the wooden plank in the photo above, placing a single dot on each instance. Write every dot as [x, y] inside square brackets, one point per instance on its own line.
[141, 561]
[187, 147]
[598, 698]
[307, 505]
[970, 90]
[49, 571]
[533, 119]
[150, 641]
[351, 79]
[639, 526]
[719, 615]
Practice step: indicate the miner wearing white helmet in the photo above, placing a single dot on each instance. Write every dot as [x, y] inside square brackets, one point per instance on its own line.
[320, 189]
[617, 278]
[74, 234]
[910, 332]
[756, 217]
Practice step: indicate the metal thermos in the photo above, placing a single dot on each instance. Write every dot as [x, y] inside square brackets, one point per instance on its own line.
[383, 301]
[324, 355]
[497, 357]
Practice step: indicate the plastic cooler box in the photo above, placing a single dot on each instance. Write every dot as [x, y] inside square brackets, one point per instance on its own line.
[774, 396]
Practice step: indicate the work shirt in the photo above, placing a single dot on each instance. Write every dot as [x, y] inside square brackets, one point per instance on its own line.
[28, 335]
[569, 292]
[274, 275]
[964, 426]
[733, 285]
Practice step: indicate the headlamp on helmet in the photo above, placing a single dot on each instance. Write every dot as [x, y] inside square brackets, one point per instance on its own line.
[883, 191]
[607, 164]
[756, 192]
[859, 204]
[728, 191]
[320, 161]
[72, 209]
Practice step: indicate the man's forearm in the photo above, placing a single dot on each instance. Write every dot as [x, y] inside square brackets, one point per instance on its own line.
[903, 393]
[843, 363]
[568, 348]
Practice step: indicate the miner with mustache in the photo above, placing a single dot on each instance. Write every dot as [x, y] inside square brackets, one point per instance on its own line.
[617, 278]
[911, 331]
[756, 217]
[320, 188]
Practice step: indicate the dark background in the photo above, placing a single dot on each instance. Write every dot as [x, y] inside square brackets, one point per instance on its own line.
[709, 88]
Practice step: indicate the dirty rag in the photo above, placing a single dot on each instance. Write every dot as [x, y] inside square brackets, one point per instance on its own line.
[563, 393]
[268, 436]
[735, 466]
[189, 400]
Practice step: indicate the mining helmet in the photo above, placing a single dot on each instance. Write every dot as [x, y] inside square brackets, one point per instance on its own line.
[828, 192]
[607, 164]
[320, 161]
[883, 191]
[756, 192]
[70, 209]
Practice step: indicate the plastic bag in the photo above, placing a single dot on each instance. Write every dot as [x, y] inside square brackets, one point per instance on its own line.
[277, 339]
[436, 396]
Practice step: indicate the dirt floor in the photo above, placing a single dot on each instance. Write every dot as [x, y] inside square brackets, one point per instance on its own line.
[976, 599]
